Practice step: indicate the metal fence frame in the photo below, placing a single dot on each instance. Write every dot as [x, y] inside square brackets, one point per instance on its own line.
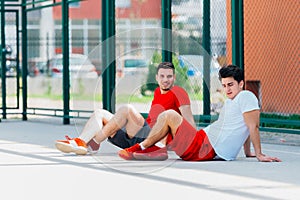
[108, 56]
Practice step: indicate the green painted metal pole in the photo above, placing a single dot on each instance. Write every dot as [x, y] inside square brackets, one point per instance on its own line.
[234, 29]
[24, 60]
[108, 55]
[17, 58]
[241, 33]
[206, 43]
[65, 52]
[3, 60]
[166, 30]
[237, 18]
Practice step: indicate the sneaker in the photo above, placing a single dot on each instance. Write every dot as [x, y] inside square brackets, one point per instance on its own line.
[93, 146]
[75, 145]
[151, 153]
[127, 153]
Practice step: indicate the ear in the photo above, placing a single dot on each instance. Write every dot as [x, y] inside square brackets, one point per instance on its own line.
[241, 84]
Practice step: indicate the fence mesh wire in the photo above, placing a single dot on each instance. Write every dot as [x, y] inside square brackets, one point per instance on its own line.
[271, 50]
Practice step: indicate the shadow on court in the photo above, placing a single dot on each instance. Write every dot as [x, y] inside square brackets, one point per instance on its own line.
[31, 167]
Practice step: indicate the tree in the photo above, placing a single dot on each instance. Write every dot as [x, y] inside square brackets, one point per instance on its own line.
[180, 71]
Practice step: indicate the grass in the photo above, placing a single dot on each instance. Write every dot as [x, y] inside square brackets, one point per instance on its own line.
[120, 98]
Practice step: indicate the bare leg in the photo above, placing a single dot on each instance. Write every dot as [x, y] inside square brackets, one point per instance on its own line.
[126, 116]
[167, 121]
[95, 124]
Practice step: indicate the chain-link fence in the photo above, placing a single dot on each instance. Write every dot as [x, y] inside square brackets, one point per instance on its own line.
[10, 66]
[189, 22]
[272, 65]
[271, 53]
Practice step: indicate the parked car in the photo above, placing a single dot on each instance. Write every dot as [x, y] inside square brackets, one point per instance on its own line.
[37, 66]
[10, 64]
[11, 67]
[79, 66]
[131, 65]
[194, 63]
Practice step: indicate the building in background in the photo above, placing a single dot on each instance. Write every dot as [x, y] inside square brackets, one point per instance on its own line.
[271, 38]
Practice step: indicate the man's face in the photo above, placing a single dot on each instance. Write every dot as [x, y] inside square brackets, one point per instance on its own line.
[231, 87]
[165, 79]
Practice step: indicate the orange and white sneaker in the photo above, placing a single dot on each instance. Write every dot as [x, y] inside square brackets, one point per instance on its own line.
[72, 145]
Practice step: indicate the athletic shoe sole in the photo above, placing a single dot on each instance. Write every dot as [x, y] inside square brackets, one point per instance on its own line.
[68, 148]
[147, 156]
[126, 155]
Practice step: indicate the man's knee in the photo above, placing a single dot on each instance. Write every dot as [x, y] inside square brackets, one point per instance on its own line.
[101, 113]
[168, 115]
[98, 112]
[128, 111]
[126, 108]
[171, 113]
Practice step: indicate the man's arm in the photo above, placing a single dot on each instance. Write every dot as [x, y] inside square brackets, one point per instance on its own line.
[247, 149]
[251, 119]
[186, 113]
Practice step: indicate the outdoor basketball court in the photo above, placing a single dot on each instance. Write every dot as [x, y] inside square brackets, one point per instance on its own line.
[31, 168]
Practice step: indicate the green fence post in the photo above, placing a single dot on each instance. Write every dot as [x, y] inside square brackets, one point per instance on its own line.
[166, 30]
[234, 29]
[18, 60]
[3, 60]
[206, 64]
[65, 52]
[108, 55]
[237, 18]
[241, 33]
[24, 60]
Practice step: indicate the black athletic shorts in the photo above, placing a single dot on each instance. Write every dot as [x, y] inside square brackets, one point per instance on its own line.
[122, 140]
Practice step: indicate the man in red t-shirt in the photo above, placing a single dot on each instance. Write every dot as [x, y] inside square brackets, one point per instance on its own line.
[236, 127]
[127, 126]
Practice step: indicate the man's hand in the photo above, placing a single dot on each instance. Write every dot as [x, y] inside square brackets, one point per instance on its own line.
[250, 154]
[265, 158]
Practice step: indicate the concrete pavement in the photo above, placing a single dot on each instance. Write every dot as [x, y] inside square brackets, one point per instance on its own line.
[31, 168]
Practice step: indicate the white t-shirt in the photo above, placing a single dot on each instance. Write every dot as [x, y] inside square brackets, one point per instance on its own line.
[228, 134]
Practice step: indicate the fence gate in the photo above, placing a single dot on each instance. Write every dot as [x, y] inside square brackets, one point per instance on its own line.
[10, 65]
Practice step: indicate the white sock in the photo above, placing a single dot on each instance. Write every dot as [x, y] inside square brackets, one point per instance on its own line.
[160, 144]
[142, 146]
[87, 136]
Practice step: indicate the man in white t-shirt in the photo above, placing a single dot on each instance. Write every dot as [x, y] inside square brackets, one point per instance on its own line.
[238, 124]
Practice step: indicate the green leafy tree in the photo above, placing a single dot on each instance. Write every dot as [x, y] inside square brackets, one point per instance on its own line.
[151, 84]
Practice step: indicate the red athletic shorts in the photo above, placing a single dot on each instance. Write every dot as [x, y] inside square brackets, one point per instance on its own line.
[190, 144]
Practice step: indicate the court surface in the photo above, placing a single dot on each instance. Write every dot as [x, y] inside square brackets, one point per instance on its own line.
[31, 168]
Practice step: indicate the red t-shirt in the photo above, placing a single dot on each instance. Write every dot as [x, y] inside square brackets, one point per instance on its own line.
[173, 99]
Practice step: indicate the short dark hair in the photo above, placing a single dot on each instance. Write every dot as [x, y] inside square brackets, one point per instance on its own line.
[165, 65]
[232, 71]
